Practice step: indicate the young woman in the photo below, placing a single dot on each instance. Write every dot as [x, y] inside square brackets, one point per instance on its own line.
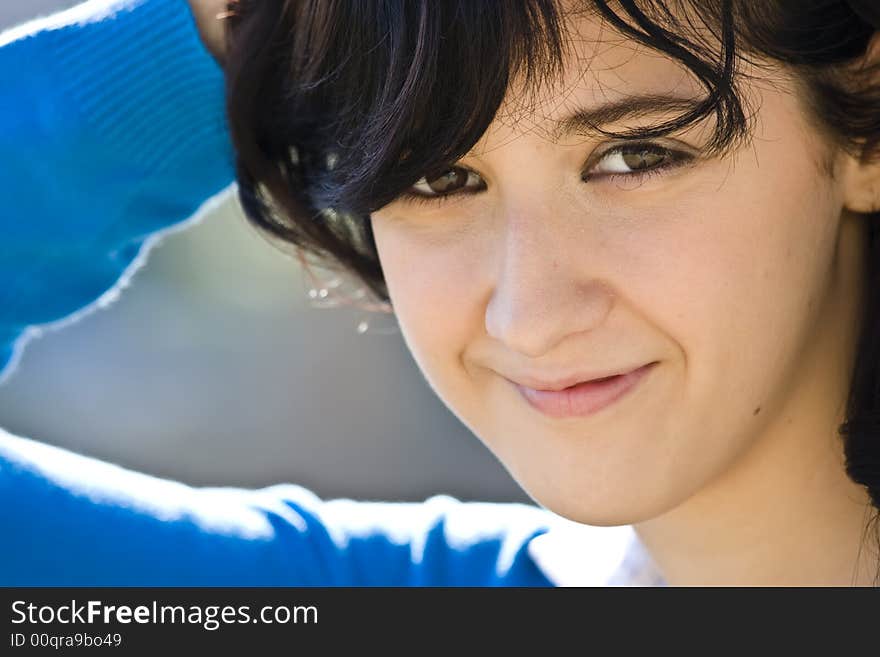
[631, 246]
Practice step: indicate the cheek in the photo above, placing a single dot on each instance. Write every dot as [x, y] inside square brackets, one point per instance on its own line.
[735, 279]
[434, 285]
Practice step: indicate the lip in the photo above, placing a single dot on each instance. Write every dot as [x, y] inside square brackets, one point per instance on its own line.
[586, 398]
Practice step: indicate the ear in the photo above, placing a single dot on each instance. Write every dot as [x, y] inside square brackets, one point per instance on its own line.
[861, 184]
[861, 176]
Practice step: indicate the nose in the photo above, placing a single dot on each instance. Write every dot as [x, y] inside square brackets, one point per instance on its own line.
[545, 288]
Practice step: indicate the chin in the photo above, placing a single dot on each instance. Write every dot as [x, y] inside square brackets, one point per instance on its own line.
[609, 507]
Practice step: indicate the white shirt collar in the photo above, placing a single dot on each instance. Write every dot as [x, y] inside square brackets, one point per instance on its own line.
[572, 554]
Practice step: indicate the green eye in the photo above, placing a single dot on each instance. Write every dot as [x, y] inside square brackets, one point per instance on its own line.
[634, 160]
[638, 160]
[448, 182]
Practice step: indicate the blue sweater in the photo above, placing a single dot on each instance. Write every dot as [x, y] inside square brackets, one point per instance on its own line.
[111, 130]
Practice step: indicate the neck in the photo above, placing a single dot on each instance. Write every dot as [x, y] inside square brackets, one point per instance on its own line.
[786, 513]
[751, 529]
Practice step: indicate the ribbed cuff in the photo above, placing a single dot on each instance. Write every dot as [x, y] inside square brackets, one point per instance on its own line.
[142, 77]
[10, 346]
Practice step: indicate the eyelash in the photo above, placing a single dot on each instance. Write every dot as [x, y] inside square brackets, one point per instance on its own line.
[675, 159]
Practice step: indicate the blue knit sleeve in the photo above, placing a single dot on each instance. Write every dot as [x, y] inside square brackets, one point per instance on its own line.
[112, 129]
[71, 520]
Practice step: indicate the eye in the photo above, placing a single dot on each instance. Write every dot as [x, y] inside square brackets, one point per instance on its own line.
[452, 181]
[636, 160]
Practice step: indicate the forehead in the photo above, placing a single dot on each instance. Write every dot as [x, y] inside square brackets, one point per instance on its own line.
[600, 67]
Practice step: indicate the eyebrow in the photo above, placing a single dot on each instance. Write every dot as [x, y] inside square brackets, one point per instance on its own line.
[589, 120]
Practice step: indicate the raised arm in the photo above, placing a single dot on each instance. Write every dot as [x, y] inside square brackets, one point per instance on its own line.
[71, 520]
[112, 128]
[208, 16]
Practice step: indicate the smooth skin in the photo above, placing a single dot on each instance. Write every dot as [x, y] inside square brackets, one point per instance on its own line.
[209, 19]
[741, 276]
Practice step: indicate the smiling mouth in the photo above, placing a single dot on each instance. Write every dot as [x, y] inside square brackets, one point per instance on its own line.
[585, 398]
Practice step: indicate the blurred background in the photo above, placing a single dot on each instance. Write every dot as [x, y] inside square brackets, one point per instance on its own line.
[214, 368]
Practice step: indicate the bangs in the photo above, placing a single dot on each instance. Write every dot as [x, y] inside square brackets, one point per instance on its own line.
[375, 94]
[336, 107]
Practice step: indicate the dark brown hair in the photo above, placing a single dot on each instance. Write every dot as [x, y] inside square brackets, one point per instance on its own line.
[336, 107]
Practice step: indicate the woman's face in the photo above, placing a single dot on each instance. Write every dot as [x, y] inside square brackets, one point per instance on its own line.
[730, 274]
